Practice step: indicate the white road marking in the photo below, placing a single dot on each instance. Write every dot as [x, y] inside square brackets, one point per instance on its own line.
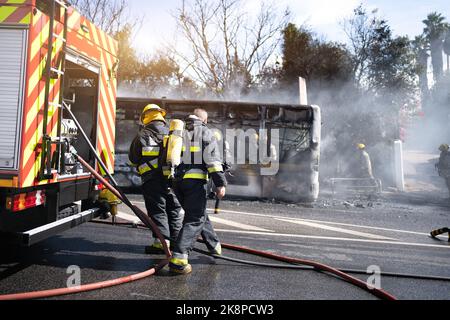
[133, 218]
[319, 221]
[335, 229]
[316, 221]
[238, 225]
[226, 222]
[127, 217]
[408, 244]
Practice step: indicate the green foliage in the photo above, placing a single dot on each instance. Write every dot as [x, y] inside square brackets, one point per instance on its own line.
[391, 67]
[440, 97]
[158, 70]
[435, 26]
[150, 71]
[435, 31]
[129, 63]
[315, 60]
[447, 44]
[420, 48]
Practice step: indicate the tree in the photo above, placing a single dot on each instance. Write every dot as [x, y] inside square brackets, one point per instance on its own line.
[226, 48]
[323, 64]
[383, 65]
[420, 48]
[435, 30]
[360, 30]
[447, 48]
[159, 71]
[109, 15]
[129, 62]
[391, 68]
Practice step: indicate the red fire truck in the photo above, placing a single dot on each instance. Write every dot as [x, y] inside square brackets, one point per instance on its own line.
[51, 55]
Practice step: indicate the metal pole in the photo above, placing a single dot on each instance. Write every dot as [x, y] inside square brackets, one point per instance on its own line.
[100, 162]
[45, 145]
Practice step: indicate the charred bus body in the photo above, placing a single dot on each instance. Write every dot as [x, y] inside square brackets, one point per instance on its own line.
[292, 144]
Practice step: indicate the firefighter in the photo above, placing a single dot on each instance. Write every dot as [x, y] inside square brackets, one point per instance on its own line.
[146, 154]
[201, 157]
[443, 165]
[363, 165]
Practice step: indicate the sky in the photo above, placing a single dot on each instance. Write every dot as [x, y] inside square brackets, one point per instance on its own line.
[323, 16]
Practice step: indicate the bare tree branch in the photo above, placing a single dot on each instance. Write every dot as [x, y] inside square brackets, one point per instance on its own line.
[228, 46]
[109, 15]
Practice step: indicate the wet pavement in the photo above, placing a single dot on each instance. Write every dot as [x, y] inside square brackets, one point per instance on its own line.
[390, 233]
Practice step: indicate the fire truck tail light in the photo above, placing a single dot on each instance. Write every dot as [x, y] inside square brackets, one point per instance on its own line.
[25, 201]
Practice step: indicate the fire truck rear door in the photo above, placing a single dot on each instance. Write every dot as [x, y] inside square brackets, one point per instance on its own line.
[12, 70]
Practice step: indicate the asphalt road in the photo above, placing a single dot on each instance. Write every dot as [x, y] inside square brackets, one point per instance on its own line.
[391, 233]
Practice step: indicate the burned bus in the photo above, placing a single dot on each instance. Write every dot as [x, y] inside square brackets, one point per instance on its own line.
[288, 134]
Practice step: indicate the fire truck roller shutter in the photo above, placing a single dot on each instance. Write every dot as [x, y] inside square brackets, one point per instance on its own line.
[12, 69]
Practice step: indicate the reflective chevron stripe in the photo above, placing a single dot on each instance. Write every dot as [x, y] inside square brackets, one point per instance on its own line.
[196, 174]
[147, 167]
[150, 151]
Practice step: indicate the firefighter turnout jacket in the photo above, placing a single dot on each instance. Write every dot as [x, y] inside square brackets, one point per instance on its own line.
[444, 164]
[146, 151]
[201, 157]
[364, 165]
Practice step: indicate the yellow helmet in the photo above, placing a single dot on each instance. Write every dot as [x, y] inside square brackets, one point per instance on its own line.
[361, 146]
[444, 147]
[152, 112]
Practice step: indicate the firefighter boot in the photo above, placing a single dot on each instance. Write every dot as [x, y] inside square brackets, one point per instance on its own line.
[180, 266]
[217, 250]
[156, 248]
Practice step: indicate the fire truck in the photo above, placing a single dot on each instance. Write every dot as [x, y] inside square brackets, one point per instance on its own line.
[52, 58]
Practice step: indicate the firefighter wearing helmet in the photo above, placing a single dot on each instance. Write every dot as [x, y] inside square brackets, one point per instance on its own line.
[201, 161]
[443, 165]
[147, 155]
[364, 164]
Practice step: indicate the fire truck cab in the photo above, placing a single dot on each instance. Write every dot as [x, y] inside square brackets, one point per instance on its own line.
[52, 58]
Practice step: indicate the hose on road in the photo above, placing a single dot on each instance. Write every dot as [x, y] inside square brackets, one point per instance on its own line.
[114, 188]
[379, 293]
[295, 266]
[303, 267]
[151, 225]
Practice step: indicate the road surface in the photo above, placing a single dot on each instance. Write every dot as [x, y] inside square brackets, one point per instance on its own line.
[392, 235]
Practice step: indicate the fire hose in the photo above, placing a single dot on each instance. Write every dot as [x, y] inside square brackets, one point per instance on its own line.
[289, 266]
[146, 220]
[105, 284]
[147, 223]
[151, 225]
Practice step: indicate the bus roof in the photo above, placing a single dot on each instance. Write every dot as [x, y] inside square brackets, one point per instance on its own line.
[130, 102]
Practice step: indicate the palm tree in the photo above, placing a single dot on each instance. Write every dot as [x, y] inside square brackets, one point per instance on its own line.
[421, 48]
[447, 48]
[435, 30]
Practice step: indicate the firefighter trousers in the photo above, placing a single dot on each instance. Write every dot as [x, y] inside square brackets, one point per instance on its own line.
[192, 195]
[447, 180]
[163, 207]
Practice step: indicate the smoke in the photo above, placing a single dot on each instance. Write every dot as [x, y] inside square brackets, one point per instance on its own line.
[350, 117]
[431, 127]
[237, 91]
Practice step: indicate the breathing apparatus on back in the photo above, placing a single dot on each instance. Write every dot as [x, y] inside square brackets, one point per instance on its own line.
[174, 146]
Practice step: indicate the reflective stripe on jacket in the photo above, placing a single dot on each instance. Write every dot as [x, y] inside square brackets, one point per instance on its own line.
[146, 149]
[201, 154]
